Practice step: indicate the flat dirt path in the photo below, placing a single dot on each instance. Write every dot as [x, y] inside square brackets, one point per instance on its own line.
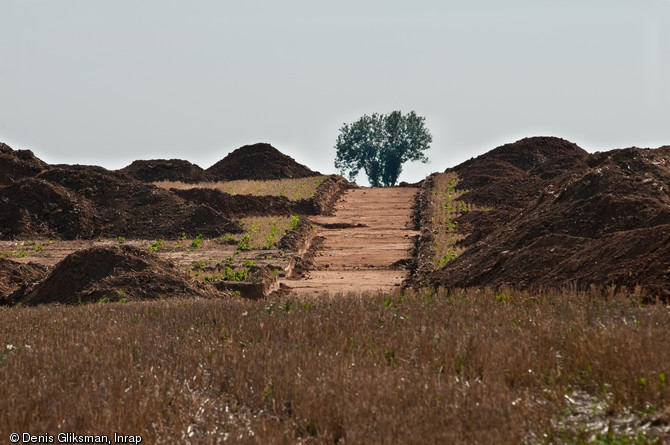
[363, 245]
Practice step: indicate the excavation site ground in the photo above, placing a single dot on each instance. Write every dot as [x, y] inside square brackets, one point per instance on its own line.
[521, 296]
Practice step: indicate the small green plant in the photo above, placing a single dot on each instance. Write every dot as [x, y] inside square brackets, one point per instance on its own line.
[243, 245]
[503, 298]
[196, 241]
[389, 355]
[294, 221]
[157, 245]
[103, 300]
[183, 236]
[121, 239]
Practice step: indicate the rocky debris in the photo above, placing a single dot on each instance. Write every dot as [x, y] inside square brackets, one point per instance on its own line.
[258, 162]
[156, 170]
[111, 273]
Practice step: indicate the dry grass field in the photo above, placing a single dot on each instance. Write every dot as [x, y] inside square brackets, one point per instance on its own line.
[458, 367]
[292, 189]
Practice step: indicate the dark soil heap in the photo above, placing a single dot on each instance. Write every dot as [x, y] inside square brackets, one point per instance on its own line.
[112, 273]
[18, 164]
[85, 202]
[508, 178]
[166, 170]
[258, 162]
[14, 274]
[602, 219]
[247, 205]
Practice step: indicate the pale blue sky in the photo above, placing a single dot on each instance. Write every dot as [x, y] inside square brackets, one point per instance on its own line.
[105, 83]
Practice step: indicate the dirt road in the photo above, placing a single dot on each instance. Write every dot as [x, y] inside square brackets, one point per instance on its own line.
[362, 246]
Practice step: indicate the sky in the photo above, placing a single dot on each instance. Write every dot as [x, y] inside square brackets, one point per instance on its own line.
[107, 83]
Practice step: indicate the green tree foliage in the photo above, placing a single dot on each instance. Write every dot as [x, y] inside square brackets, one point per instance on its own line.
[380, 145]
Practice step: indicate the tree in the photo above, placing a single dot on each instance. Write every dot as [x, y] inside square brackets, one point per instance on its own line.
[380, 145]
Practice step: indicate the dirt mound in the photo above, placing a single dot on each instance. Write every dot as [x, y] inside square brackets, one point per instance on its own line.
[166, 170]
[18, 164]
[259, 162]
[511, 175]
[247, 205]
[605, 220]
[322, 202]
[14, 274]
[86, 201]
[112, 273]
[33, 207]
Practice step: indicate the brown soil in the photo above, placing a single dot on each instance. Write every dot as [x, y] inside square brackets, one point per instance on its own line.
[362, 245]
[245, 205]
[18, 164]
[259, 161]
[113, 273]
[14, 274]
[71, 202]
[235, 206]
[565, 219]
[166, 170]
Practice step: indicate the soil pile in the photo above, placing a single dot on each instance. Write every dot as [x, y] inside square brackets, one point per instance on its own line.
[18, 164]
[73, 202]
[112, 273]
[14, 274]
[322, 202]
[508, 178]
[258, 162]
[605, 220]
[247, 205]
[166, 170]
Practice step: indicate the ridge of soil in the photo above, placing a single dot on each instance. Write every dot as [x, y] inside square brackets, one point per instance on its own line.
[73, 201]
[14, 274]
[18, 164]
[247, 205]
[259, 161]
[250, 205]
[156, 170]
[111, 272]
[564, 219]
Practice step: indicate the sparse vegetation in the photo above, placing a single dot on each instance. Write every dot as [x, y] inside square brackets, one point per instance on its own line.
[293, 189]
[156, 245]
[446, 207]
[460, 367]
[196, 242]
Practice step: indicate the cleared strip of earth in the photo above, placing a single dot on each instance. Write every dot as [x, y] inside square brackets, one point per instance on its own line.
[369, 232]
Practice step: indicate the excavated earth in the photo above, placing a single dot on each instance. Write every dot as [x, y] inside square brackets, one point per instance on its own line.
[364, 246]
[552, 216]
[258, 162]
[112, 273]
[543, 213]
[84, 202]
[55, 219]
[156, 170]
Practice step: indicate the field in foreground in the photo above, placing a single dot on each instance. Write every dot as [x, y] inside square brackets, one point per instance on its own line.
[473, 367]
